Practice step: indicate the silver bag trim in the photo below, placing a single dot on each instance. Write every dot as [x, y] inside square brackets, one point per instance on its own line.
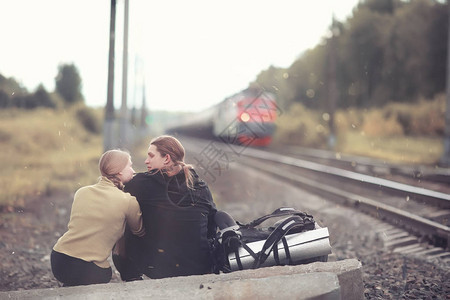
[302, 246]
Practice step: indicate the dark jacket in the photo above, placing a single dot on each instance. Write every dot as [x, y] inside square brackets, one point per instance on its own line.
[178, 222]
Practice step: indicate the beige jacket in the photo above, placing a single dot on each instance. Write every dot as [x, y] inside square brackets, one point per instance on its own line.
[97, 220]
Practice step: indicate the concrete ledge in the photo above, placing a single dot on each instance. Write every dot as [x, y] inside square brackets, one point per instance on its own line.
[319, 280]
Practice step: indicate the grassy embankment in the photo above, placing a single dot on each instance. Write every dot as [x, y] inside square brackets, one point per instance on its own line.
[45, 151]
[398, 133]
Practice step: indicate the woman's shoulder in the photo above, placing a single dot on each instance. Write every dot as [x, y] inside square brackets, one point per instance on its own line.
[89, 188]
[144, 178]
[99, 191]
[147, 176]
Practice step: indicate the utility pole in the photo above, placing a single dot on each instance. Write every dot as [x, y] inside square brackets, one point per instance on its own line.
[109, 109]
[123, 111]
[133, 120]
[332, 90]
[445, 159]
[143, 122]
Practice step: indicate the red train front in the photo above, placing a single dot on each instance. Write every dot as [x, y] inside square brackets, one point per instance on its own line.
[247, 118]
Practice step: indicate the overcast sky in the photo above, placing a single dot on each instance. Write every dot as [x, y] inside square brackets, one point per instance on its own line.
[192, 53]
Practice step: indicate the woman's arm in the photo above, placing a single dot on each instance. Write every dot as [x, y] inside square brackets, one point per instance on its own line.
[134, 217]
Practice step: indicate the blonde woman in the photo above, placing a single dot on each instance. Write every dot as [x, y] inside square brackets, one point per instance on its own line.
[98, 218]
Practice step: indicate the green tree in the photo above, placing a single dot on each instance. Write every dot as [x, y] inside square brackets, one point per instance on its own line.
[4, 100]
[68, 83]
[364, 49]
[10, 86]
[414, 51]
[381, 6]
[42, 97]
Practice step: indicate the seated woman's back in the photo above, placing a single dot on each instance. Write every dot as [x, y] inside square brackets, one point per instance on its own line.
[178, 222]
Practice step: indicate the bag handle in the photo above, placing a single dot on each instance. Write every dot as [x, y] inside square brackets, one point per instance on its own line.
[279, 212]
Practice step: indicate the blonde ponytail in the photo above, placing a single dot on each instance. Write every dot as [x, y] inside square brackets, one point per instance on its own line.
[111, 163]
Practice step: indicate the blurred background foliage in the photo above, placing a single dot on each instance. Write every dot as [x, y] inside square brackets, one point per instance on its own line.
[388, 51]
[387, 63]
[389, 73]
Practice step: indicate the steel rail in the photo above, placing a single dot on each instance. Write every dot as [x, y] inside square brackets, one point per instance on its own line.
[419, 225]
[436, 174]
[428, 196]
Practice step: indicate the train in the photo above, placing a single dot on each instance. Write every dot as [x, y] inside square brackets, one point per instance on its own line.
[247, 118]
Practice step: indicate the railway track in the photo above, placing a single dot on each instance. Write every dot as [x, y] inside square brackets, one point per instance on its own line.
[416, 175]
[415, 219]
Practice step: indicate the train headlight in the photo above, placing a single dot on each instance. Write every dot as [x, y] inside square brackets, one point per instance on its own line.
[245, 117]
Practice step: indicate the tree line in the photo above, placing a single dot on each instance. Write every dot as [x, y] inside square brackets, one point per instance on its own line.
[67, 91]
[387, 51]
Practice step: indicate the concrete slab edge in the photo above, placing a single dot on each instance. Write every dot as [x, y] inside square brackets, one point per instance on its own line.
[320, 280]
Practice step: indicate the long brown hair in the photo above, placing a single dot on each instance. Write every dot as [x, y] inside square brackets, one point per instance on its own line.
[111, 163]
[166, 144]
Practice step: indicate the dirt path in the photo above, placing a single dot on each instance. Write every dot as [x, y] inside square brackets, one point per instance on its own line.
[26, 239]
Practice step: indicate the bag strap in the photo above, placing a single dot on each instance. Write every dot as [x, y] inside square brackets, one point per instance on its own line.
[296, 220]
[287, 251]
[282, 211]
[275, 236]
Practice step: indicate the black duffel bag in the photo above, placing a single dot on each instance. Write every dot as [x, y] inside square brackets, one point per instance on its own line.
[250, 245]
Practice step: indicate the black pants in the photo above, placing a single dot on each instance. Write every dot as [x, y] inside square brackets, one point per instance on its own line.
[131, 270]
[73, 271]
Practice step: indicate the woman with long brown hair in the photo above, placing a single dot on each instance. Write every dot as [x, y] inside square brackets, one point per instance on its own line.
[179, 215]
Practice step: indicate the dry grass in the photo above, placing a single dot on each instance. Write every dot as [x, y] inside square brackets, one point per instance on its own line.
[300, 126]
[44, 151]
[400, 133]
[396, 149]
